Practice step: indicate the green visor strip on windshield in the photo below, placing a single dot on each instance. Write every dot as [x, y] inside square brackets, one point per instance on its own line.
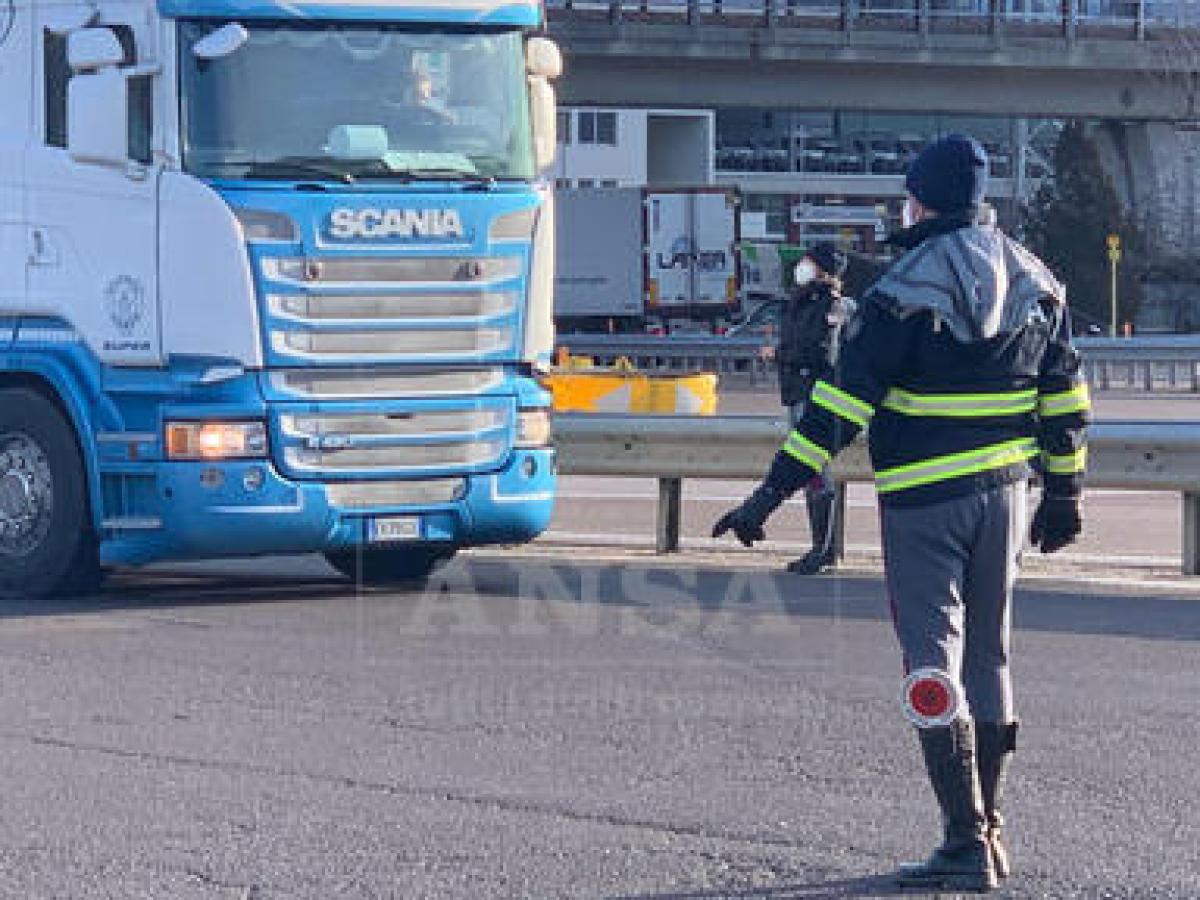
[801, 448]
[1077, 399]
[842, 404]
[963, 406]
[956, 465]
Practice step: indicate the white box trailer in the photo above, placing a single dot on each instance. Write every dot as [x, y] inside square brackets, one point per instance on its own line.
[692, 268]
[636, 258]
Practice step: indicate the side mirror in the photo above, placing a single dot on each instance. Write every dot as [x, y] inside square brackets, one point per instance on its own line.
[92, 49]
[98, 117]
[543, 58]
[543, 111]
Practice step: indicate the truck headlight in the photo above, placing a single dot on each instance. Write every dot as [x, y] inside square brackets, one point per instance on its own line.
[533, 429]
[265, 225]
[216, 440]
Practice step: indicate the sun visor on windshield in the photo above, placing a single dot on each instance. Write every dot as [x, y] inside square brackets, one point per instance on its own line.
[456, 11]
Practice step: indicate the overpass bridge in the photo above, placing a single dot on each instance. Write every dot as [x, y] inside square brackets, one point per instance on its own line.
[1132, 64]
[1139, 63]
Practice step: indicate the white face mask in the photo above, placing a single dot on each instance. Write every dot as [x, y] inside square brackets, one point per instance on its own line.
[805, 272]
[908, 215]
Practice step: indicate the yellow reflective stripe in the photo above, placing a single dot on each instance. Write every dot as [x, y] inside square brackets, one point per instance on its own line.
[1007, 403]
[842, 404]
[1067, 464]
[1075, 400]
[799, 447]
[955, 465]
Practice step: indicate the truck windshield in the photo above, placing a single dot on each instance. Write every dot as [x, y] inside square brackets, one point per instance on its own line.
[349, 102]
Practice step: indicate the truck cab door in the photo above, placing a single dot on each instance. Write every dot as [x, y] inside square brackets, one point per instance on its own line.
[92, 258]
[15, 82]
[13, 231]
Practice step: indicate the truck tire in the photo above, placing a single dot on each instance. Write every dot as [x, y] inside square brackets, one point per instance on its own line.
[407, 567]
[48, 546]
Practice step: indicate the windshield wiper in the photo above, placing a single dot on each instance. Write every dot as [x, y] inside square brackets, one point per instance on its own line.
[261, 169]
[484, 182]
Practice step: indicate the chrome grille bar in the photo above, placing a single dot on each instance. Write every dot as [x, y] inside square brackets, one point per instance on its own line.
[347, 384]
[392, 270]
[450, 454]
[410, 344]
[440, 423]
[392, 308]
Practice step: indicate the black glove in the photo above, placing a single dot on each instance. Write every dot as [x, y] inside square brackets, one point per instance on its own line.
[1056, 523]
[748, 519]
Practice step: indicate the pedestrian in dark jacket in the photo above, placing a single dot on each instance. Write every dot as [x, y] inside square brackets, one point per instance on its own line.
[813, 312]
[960, 359]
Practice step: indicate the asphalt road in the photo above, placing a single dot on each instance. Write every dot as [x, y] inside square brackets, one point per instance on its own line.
[559, 725]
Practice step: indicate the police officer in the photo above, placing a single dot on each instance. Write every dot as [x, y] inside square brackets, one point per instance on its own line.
[813, 311]
[960, 359]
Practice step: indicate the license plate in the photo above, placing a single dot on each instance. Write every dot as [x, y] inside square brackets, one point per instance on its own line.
[395, 528]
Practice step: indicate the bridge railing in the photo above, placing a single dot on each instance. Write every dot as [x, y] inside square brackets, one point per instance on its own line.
[1116, 19]
[1155, 456]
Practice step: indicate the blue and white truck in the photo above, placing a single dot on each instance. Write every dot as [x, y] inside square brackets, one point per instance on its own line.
[275, 277]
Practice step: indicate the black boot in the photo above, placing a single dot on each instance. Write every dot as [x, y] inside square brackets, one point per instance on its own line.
[821, 522]
[963, 861]
[994, 744]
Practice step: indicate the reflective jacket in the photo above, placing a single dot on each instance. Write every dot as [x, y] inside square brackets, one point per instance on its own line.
[960, 361]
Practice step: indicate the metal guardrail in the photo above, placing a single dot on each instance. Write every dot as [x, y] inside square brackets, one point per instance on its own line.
[1125, 455]
[1172, 363]
[1147, 364]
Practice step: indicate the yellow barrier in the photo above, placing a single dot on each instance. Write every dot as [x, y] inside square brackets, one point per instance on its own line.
[623, 389]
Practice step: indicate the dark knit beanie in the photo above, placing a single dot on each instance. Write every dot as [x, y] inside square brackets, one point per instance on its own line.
[828, 258]
[950, 175]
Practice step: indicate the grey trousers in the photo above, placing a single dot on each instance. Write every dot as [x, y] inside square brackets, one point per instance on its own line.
[950, 570]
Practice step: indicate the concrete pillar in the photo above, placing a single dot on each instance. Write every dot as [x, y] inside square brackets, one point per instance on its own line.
[1146, 163]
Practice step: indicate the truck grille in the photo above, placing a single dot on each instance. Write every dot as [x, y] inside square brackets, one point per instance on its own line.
[395, 443]
[342, 310]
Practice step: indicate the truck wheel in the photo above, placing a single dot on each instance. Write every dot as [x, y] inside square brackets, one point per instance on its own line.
[389, 566]
[47, 544]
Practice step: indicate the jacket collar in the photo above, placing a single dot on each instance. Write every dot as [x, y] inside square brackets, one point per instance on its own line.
[927, 228]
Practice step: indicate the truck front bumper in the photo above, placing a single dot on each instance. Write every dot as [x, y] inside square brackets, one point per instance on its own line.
[204, 510]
